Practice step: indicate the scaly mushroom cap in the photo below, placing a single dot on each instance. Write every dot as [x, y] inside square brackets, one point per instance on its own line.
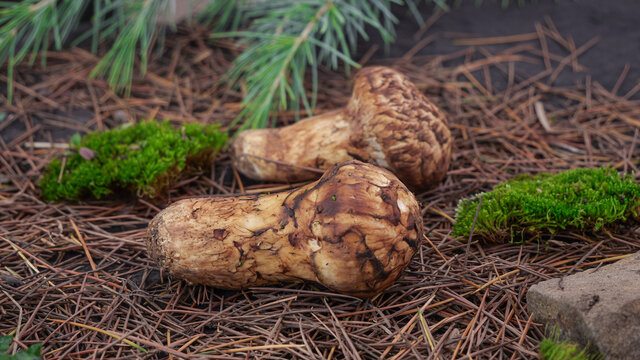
[396, 127]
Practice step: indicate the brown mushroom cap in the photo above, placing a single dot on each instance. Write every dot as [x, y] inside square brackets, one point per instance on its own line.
[387, 122]
[396, 127]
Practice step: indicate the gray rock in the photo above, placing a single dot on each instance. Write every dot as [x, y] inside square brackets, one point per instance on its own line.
[597, 307]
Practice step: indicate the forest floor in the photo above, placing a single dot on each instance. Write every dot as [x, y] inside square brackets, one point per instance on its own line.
[532, 95]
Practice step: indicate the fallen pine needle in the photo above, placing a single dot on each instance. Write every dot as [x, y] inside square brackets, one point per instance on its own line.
[230, 343]
[408, 327]
[84, 246]
[435, 248]
[497, 279]
[439, 212]
[262, 347]
[108, 333]
[57, 350]
[495, 40]
[188, 343]
[426, 332]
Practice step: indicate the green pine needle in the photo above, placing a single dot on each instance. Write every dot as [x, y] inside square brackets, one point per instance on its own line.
[287, 37]
[284, 39]
[118, 64]
[24, 25]
[143, 158]
[583, 200]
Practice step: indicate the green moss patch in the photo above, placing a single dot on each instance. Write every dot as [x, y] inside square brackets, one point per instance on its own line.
[143, 158]
[554, 349]
[576, 200]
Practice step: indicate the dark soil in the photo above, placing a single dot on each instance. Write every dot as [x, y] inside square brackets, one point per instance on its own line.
[616, 23]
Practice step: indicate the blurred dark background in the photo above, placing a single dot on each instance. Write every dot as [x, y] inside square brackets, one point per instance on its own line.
[616, 22]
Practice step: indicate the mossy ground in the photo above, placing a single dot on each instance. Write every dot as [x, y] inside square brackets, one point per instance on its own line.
[582, 200]
[142, 158]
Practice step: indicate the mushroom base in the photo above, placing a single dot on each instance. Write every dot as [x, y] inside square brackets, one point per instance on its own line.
[353, 231]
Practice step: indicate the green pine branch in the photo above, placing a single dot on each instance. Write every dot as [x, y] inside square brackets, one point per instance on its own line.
[29, 26]
[140, 26]
[286, 38]
[34, 26]
[283, 40]
[290, 37]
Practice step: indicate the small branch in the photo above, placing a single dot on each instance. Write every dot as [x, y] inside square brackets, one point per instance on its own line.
[542, 116]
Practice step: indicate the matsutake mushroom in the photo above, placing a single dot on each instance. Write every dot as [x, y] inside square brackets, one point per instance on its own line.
[387, 122]
[354, 231]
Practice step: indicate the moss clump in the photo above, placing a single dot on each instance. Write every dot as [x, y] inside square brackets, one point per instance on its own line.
[551, 349]
[526, 206]
[554, 349]
[142, 158]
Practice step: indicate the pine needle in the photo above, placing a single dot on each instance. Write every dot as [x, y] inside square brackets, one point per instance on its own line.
[105, 332]
[288, 38]
[118, 64]
[284, 38]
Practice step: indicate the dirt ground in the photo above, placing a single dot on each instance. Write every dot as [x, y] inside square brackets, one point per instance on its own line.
[519, 98]
[614, 23]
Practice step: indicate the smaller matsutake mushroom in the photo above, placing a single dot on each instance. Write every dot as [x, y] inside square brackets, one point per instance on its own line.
[387, 122]
[354, 230]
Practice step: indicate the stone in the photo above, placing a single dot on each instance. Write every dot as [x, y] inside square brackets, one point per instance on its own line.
[121, 116]
[599, 308]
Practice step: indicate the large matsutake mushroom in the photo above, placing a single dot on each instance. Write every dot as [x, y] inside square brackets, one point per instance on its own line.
[354, 230]
[387, 122]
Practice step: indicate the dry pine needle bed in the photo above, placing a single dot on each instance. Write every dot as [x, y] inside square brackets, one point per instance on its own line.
[75, 276]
